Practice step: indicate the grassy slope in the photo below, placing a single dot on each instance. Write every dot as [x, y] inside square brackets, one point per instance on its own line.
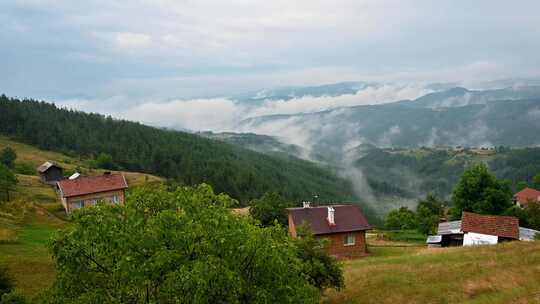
[28, 259]
[506, 273]
[34, 214]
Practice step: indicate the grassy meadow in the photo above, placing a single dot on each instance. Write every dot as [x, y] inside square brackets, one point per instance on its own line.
[504, 273]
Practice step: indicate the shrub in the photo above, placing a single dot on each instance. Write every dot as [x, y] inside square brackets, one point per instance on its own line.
[7, 282]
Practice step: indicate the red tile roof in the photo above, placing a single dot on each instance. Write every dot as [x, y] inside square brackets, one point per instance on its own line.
[526, 195]
[503, 226]
[346, 217]
[92, 184]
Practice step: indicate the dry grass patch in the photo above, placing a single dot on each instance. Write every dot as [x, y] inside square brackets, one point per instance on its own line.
[504, 273]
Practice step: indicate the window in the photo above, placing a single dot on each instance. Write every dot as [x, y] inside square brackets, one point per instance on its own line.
[92, 202]
[350, 240]
[78, 204]
[115, 199]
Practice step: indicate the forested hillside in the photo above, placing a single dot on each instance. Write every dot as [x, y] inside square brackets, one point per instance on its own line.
[184, 157]
[410, 173]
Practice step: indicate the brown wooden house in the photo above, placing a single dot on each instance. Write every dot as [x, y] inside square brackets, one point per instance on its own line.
[87, 191]
[50, 173]
[343, 225]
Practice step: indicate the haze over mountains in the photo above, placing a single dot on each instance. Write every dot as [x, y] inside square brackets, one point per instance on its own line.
[346, 136]
[341, 125]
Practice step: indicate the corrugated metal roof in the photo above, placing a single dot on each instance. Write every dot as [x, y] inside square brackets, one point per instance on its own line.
[434, 239]
[453, 227]
[526, 234]
[46, 165]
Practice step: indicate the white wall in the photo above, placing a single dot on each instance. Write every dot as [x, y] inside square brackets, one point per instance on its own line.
[471, 238]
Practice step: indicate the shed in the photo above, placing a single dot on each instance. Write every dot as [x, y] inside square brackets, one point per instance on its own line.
[478, 229]
[50, 173]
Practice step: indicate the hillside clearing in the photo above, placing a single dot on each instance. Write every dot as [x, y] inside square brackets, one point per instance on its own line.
[34, 157]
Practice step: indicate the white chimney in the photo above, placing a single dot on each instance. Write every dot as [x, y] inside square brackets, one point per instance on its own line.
[331, 212]
[305, 204]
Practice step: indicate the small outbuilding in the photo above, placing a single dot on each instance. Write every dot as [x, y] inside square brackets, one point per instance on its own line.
[478, 229]
[50, 173]
[344, 226]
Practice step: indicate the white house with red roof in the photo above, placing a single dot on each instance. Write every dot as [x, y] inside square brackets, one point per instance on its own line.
[525, 196]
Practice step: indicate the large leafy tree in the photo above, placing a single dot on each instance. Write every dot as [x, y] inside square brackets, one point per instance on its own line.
[269, 208]
[176, 247]
[402, 218]
[480, 191]
[8, 180]
[428, 212]
[536, 181]
[7, 157]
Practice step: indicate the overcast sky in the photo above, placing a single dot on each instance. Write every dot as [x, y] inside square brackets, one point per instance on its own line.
[167, 49]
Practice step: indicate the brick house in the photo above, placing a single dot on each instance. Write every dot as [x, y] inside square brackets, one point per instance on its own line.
[344, 226]
[87, 191]
[523, 197]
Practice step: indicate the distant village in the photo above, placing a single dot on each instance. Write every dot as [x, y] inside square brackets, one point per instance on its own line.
[343, 224]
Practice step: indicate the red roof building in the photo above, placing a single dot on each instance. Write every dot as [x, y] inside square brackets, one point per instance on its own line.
[87, 191]
[495, 225]
[343, 225]
[523, 197]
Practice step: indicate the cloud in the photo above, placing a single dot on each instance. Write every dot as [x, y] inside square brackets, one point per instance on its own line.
[224, 114]
[132, 40]
[375, 94]
[534, 113]
[197, 114]
[253, 44]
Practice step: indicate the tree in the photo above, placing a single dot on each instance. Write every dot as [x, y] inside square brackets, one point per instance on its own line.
[480, 191]
[402, 218]
[7, 283]
[269, 208]
[533, 215]
[7, 157]
[536, 181]
[105, 161]
[8, 180]
[176, 247]
[522, 185]
[428, 213]
[323, 270]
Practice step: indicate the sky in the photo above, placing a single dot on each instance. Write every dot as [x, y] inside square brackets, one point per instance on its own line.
[137, 56]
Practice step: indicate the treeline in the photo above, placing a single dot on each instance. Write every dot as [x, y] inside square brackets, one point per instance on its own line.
[186, 158]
